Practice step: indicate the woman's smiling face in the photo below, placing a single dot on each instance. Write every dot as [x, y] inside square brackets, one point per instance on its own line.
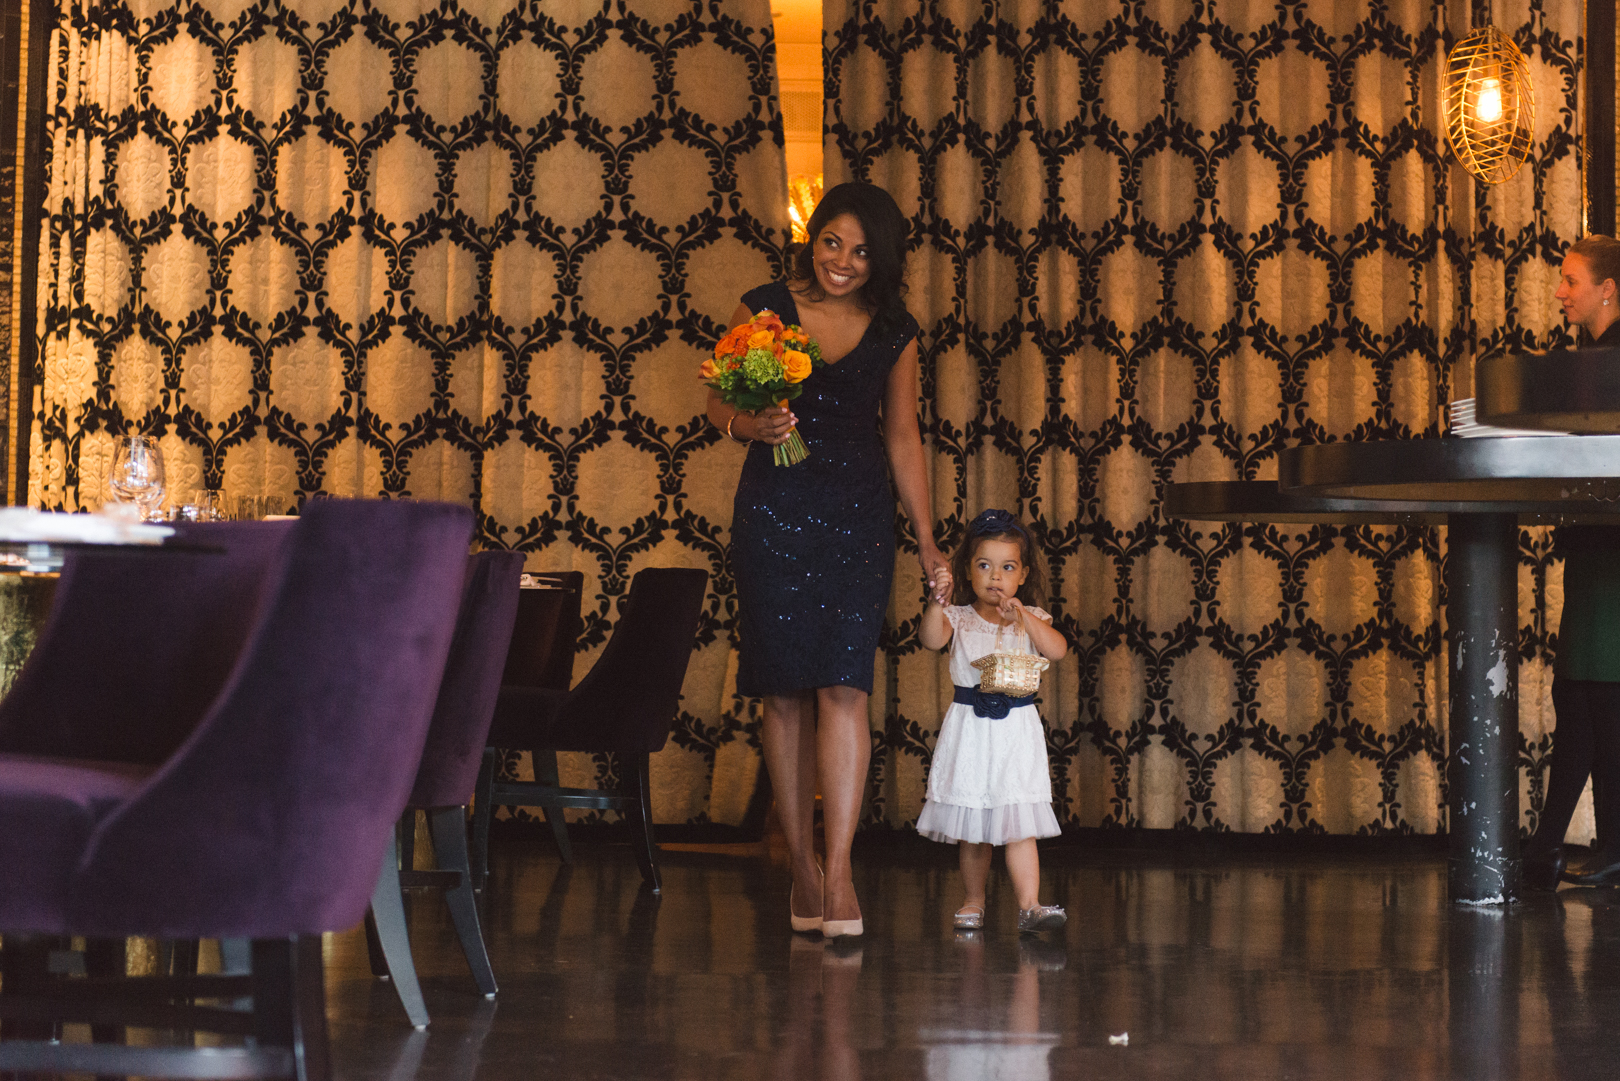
[840, 258]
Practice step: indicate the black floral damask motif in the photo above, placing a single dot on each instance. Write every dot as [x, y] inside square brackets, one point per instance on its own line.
[1079, 181]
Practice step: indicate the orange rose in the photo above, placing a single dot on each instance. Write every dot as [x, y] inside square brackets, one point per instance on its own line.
[797, 365]
[761, 339]
[708, 370]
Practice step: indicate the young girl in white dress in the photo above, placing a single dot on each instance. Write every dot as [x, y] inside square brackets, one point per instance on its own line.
[989, 784]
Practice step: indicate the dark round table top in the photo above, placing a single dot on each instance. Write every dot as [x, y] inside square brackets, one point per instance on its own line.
[1263, 501]
[1560, 392]
[1558, 476]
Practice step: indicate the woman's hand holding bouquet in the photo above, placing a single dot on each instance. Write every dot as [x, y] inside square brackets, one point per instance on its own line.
[762, 363]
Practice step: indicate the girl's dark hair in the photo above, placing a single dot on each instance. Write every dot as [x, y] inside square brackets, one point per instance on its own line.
[998, 525]
[1602, 254]
[886, 232]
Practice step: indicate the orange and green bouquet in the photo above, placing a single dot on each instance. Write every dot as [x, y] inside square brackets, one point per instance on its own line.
[762, 363]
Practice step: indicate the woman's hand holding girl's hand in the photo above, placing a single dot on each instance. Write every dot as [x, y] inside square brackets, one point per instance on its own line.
[934, 629]
[933, 564]
[773, 426]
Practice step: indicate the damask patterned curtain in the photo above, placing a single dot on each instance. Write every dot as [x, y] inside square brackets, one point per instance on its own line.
[460, 251]
[472, 252]
[1162, 241]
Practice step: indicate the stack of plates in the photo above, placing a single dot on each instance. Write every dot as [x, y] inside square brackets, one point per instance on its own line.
[1464, 427]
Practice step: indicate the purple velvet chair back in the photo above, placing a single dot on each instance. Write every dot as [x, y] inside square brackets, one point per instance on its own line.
[139, 635]
[472, 679]
[272, 817]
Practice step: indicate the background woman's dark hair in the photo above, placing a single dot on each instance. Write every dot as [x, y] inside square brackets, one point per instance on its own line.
[1602, 254]
[1033, 591]
[886, 232]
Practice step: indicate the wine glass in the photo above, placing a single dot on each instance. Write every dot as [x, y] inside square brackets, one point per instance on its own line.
[137, 472]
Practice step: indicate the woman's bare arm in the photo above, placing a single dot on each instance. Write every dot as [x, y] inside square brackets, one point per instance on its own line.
[903, 441]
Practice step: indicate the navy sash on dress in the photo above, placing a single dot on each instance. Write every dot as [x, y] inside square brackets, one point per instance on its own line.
[988, 704]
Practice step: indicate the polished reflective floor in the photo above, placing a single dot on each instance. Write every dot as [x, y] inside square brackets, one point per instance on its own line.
[1296, 966]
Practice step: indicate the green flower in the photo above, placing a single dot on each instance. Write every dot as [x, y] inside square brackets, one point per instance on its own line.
[761, 367]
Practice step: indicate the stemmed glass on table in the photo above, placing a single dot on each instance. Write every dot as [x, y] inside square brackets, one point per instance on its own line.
[137, 473]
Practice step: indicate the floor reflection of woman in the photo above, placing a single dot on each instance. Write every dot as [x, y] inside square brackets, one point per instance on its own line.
[1586, 674]
[812, 545]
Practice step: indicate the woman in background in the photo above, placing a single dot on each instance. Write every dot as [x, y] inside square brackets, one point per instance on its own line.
[1586, 674]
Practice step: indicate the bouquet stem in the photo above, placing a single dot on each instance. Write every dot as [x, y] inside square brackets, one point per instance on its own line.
[792, 452]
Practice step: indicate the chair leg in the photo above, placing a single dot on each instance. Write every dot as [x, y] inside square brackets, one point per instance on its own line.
[236, 959]
[289, 1002]
[449, 827]
[407, 839]
[374, 949]
[183, 957]
[482, 813]
[25, 964]
[641, 807]
[545, 772]
[106, 957]
[388, 910]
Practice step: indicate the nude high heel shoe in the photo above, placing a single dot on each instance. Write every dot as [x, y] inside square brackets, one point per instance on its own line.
[804, 925]
[837, 928]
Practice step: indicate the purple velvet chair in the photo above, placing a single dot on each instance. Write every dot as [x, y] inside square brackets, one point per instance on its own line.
[267, 822]
[445, 779]
[625, 705]
[174, 623]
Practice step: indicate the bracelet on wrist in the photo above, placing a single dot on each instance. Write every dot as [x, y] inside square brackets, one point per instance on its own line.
[732, 435]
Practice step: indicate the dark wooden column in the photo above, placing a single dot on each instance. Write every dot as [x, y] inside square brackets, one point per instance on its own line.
[1599, 73]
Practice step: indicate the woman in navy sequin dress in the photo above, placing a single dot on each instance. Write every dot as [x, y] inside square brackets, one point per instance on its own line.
[812, 545]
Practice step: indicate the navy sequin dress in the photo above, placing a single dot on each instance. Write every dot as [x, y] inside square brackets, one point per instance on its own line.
[812, 545]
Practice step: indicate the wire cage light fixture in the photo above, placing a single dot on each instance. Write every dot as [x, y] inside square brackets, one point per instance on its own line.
[1490, 105]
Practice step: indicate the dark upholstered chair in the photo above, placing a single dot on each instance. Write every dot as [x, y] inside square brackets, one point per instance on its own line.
[267, 822]
[542, 656]
[625, 705]
[445, 779]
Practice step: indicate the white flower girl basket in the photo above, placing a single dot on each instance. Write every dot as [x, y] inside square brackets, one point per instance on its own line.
[1015, 672]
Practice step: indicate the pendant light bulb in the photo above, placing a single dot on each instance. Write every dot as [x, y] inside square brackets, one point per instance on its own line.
[1489, 106]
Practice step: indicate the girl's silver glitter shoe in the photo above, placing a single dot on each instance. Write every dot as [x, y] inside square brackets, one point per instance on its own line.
[968, 921]
[1041, 918]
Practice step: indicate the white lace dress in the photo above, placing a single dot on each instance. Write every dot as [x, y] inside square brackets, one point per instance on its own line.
[989, 781]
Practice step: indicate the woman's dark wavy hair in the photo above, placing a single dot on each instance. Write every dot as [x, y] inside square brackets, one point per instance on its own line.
[886, 232]
[998, 525]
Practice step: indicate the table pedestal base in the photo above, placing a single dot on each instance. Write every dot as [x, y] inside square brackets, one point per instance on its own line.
[1482, 610]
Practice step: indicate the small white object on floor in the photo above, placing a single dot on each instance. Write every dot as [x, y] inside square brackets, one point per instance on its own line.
[1122, 1040]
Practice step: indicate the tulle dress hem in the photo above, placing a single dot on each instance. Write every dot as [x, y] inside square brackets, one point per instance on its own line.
[950, 824]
